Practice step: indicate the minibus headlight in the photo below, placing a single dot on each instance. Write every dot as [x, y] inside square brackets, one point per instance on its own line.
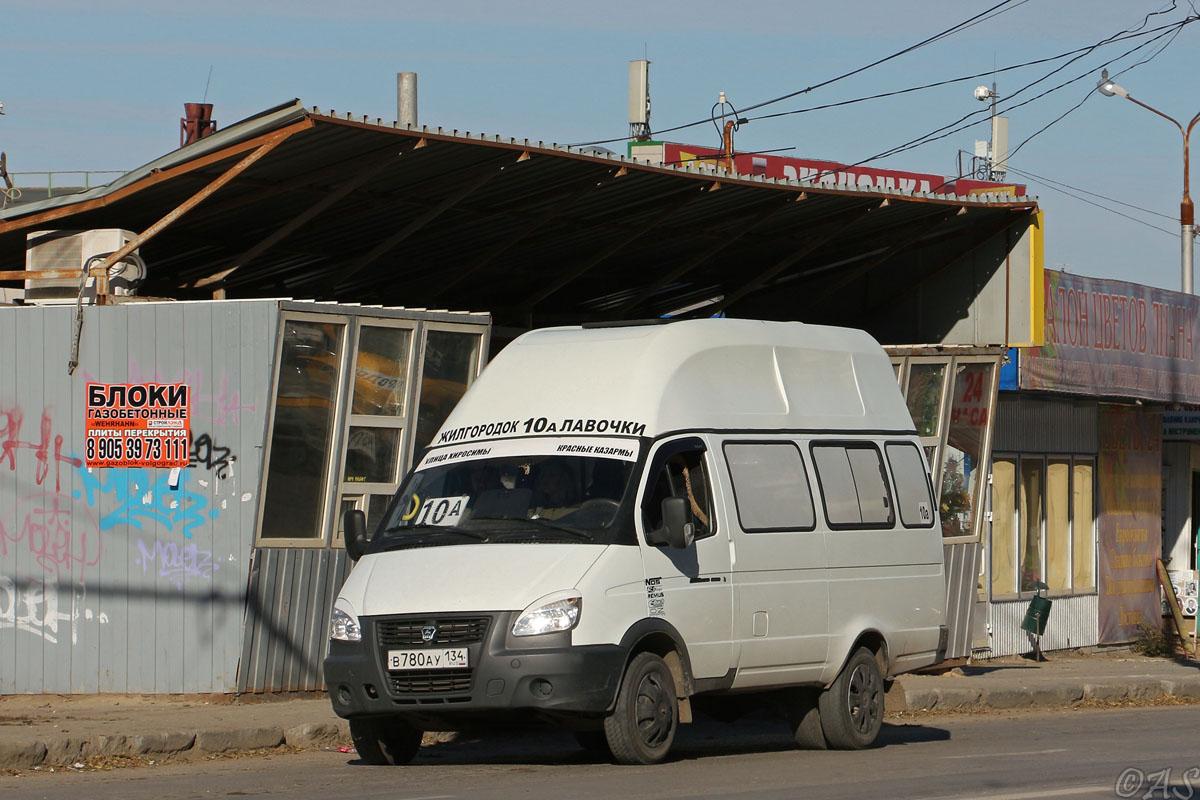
[550, 614]
[343, 627]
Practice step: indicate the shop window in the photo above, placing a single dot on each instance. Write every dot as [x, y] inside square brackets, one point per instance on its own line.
[963, 454]
[1083, 526]
[1004, 533]
[1058, 524]
[302, 430]
[770, 486]
[373, 461]
[1029, 514]
[909, 472]
[1042, 524]
[853, 486]
[344, 401]
[925, 397]
[450, 363]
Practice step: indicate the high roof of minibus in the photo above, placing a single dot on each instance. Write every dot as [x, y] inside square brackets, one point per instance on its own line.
[709, 374]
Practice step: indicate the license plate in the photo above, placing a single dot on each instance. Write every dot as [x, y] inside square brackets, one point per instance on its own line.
[446, 658]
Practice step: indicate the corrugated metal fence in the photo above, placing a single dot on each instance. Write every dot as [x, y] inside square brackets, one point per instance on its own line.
[287, 621]
[113, 580]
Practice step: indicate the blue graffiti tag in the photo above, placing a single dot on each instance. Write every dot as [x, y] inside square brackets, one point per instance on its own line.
[140, 497]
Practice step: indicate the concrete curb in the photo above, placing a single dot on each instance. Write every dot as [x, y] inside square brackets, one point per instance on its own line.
[955, 698]
[65, 749]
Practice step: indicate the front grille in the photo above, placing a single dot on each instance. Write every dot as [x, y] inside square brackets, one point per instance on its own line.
[393, 632]
[430, 681]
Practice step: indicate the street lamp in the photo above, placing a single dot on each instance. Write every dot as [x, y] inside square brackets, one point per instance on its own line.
[1187, 216]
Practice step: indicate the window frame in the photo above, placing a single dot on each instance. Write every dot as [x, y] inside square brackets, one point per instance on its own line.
[363, 491]
[939, 443]
[409, 449]
[335, 489]
[1044, 460]
[733, 484]
[928, 483]
[856, 444]
[329, 500]
[656, 463]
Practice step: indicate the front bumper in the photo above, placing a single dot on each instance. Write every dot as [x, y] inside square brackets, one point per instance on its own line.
[509, 678]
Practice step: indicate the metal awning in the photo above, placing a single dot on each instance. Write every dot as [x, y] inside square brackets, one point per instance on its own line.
[297, 202]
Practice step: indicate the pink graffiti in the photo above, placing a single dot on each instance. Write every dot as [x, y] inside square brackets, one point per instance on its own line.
[223, 407]
[55, 543]
[9, 444]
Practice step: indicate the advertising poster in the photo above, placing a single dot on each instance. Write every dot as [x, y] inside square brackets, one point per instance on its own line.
[137, 425]
[1129, 520]
[1108, 338]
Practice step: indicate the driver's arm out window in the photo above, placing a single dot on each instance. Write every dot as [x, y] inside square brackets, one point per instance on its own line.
[683, 475]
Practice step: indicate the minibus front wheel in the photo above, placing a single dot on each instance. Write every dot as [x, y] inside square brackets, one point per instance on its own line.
[642, 725]
[385, 741]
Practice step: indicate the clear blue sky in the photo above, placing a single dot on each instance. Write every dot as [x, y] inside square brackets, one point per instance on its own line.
[101, 85]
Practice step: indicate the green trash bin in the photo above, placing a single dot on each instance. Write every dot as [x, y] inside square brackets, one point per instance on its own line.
[1036, 615]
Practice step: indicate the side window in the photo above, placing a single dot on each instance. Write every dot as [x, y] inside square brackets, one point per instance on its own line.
[854, 485]
[912, 485]
[770, 486]
[681, 474]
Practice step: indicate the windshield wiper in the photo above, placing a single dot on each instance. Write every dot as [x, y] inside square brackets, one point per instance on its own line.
[547, 523]
[437, 529]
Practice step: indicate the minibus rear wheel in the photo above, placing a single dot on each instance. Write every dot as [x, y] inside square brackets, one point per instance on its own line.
[852, 708]
[385, 741]
[642, 725]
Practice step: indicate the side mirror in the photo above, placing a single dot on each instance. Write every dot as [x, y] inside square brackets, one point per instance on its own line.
[677, 520]
[354, 530]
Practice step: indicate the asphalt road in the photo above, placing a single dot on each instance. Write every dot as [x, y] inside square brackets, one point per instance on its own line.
[1136, 752]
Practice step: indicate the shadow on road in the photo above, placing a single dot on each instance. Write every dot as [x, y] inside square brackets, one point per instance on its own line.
[705, 738]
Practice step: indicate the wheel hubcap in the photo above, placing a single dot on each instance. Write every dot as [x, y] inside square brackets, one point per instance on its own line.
[865, 699]
[655, 717]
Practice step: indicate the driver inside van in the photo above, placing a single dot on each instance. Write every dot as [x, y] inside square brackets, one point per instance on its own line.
[554, 491]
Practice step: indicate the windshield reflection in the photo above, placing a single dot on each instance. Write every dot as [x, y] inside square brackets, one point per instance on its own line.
[526, 498]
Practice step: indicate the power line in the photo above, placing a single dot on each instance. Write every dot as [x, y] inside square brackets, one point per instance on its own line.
[950, 128]
[1053, 184]
[1088, 96]
[982, 16]
[1126, 35]
[1106, 208]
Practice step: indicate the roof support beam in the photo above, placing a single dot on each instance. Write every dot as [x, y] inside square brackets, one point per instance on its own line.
[849, 276]
[689, 196]
[294, 224]
[760, 217]
[471, 186]
[195, 200]
[832, 231]
[301, 183]
[268, 140]
[532, 227]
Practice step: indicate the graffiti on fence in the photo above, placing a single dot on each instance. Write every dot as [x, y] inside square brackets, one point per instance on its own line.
[178, 563]
[140, 497]
[10, 442]
[36, 608]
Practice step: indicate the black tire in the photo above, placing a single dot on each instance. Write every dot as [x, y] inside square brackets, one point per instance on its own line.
[852, 708]
[385, 741]
[592, 741]
[642, 725]
[804, 718]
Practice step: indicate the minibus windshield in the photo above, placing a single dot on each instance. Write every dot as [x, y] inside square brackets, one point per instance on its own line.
[569, 492]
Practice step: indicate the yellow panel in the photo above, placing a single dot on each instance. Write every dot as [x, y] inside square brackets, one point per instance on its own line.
[1026, 288]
